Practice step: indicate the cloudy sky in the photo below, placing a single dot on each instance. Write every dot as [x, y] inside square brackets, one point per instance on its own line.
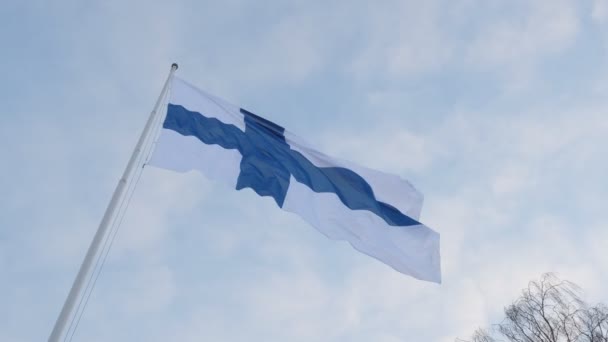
[496, 110]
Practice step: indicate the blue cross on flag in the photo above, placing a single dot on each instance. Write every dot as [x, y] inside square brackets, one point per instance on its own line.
[377, 213]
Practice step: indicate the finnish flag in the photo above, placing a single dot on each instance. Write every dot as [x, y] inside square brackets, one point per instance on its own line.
[377, 213]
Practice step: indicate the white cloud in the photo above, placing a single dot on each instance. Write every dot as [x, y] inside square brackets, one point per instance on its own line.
[403, 38]
[599, 11]
[541, 28]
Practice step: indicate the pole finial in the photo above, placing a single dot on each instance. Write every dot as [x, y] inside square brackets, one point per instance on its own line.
[174, 66]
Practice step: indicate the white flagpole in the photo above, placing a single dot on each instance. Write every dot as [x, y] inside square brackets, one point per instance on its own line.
[75, 291]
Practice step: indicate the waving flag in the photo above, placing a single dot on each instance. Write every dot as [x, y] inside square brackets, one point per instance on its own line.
[377, 213]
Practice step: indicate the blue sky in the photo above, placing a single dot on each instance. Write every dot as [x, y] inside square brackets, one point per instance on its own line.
[495, 110]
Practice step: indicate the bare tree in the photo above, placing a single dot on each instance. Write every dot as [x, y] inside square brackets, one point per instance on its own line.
[549, 310]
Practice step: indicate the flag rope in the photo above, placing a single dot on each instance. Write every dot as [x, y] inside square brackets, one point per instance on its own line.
[115, 226]
[107, 221]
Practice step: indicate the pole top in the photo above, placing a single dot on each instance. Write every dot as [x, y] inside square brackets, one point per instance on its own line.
[174, 66]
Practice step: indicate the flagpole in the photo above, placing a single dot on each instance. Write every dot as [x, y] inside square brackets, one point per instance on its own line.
[85, 268]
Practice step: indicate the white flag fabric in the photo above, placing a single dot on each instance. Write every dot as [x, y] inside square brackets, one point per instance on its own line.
[377, 213]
